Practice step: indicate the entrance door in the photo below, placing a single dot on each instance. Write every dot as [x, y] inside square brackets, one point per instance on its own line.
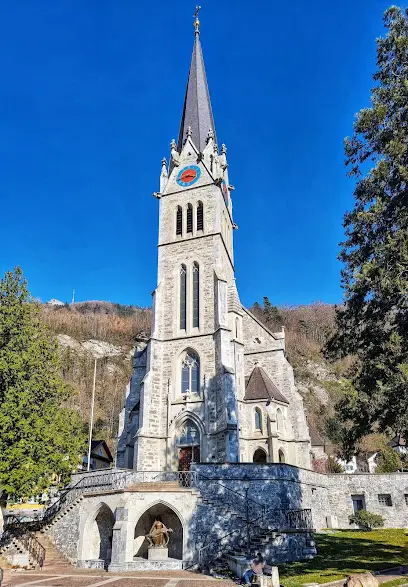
[186, 457]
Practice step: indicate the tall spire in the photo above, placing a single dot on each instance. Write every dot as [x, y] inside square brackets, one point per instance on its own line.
[197, 112]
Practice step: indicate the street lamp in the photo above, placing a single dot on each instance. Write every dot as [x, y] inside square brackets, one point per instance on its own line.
[246, 482]
[193, 435]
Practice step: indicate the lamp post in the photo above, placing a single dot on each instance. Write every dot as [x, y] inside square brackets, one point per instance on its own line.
[246, 482]
[193, 435]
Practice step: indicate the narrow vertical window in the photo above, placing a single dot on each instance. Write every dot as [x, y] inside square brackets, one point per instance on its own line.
[258, 419]
[183, 299]
[196, 296]
[189, 218]
[179, 221]
[200, 216]
[279, 420]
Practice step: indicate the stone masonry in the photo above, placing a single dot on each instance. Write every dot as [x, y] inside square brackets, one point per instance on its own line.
[199, 319]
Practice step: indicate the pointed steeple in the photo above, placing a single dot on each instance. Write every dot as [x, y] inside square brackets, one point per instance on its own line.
[197, 112]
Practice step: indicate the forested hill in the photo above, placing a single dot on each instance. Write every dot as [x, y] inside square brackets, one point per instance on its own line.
[110, 332]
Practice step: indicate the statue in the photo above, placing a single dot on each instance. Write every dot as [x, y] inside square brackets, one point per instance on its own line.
[158, 536]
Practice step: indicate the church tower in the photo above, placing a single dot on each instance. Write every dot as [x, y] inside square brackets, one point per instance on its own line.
[189, 399]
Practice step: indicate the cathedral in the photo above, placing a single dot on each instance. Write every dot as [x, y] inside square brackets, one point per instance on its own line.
[213, 384]
[213, 443]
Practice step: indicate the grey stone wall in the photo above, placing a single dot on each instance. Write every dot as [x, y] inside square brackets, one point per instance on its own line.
[341, 488]
[283, 486]
[276, 486]
[64, 531]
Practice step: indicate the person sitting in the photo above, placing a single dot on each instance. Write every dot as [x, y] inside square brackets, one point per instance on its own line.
[257, 567]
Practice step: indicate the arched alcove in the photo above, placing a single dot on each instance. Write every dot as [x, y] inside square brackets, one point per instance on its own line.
[259, 456]
[170, 519]
[281, 456]
[101, 534]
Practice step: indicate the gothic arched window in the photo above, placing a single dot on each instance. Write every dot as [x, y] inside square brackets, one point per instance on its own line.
[183, 297]
[190, 373]
[179, 221]
[196, 295]
[188, 434]
[279, 420]
[189, 218]
[200, 216]
[258, 419]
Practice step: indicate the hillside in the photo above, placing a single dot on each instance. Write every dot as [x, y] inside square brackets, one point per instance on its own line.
[110, 332]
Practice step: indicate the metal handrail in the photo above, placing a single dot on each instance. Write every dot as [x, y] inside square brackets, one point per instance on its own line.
[236, 501]
[303, 516]
[116, 479]
[14, 528]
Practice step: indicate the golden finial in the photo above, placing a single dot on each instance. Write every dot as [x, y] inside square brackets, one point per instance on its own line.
[196, 21]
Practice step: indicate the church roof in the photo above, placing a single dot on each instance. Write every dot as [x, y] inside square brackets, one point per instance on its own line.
[234, 304]
[197, 112]
[260, 386]
[315, 438]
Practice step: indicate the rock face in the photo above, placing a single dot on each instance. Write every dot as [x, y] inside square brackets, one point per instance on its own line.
[97, 348]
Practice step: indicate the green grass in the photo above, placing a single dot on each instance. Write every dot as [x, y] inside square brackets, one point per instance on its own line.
[348, 551]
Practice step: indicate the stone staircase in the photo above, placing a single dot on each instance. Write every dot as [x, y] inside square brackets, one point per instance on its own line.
[16, 555]
[264, 525]
[54, 559]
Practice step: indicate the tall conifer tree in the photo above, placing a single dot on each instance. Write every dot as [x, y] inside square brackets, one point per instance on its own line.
[373, 324]
[40, 439]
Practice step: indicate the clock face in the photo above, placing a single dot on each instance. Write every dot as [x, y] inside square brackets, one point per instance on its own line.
[225, 192]
[188, 175]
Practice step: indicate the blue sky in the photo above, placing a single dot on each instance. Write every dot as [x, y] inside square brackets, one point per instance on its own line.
[92, 94]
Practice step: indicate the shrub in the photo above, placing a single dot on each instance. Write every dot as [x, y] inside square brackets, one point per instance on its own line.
[367, 520]
[389, 461]
[334, 466]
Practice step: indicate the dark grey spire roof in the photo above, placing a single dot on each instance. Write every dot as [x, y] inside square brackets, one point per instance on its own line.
[197, 111]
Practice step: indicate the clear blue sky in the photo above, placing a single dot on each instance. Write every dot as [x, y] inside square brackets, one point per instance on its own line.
[92, 93]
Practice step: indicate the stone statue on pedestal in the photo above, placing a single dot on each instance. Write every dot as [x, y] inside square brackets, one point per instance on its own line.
[158, 536]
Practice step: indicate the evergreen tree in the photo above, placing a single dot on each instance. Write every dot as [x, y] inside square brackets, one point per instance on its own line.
[272, 317]
[373, 324]
[40, 440]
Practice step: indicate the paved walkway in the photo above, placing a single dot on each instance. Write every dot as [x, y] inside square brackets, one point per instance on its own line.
[95, 579]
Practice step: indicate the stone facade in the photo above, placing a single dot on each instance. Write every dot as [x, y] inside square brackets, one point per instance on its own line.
[107, 528]
[386, 495]
[198, 318]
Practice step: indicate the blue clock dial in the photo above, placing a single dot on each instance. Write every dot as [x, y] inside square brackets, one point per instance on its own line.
[188, 175]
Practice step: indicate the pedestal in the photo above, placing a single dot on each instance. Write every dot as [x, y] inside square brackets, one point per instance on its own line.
[157, 553]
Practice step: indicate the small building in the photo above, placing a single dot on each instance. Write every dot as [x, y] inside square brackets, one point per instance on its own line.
[399, 445]
[366, 463]
[101, 456]
[318, 444]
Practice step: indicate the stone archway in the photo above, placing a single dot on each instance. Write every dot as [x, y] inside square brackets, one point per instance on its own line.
[259, 456]
[170, 519]
[101, 532]
[281, 455]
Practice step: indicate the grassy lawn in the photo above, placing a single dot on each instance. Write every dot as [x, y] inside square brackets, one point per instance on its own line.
[345, 552]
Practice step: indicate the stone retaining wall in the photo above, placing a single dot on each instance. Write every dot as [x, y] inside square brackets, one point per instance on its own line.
[341, 488]
[283, 486]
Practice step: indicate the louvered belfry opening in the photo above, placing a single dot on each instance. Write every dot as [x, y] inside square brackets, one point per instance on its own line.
[200, 216]
[179, 221]
[189, 219]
